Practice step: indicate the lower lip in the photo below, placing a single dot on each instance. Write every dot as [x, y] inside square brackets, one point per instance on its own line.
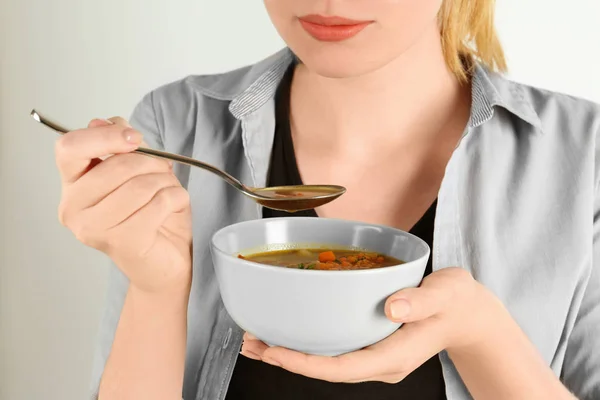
[333, 33]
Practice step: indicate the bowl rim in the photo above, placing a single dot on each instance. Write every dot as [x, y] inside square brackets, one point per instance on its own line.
[222, 231]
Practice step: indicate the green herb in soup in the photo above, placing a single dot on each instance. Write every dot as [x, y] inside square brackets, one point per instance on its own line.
[319, 259]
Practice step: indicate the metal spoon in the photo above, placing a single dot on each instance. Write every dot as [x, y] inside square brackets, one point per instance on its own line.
[283, 198]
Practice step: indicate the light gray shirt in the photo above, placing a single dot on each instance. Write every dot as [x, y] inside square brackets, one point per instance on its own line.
[518, 208]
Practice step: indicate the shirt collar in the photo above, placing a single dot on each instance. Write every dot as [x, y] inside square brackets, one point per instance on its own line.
[491, 90]
[250, 88]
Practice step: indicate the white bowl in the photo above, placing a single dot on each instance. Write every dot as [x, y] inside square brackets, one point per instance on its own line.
[315, 312]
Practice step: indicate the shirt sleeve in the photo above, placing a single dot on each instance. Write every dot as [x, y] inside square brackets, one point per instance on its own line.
[581, 369]
[144, 120]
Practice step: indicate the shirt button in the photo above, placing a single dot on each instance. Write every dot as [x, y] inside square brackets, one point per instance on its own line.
[227, 338]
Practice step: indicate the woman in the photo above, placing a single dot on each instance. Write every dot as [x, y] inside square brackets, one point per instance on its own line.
[401, 105]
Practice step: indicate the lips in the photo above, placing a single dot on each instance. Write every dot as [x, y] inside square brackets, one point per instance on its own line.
[332, 29]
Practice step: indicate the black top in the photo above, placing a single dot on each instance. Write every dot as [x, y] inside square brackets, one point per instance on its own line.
[254, 380]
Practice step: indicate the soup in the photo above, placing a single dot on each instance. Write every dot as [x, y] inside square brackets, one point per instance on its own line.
[320, 259]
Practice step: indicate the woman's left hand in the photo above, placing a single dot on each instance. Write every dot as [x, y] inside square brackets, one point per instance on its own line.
[449, 311]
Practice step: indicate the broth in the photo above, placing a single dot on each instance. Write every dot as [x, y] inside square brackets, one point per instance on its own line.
[324, 260]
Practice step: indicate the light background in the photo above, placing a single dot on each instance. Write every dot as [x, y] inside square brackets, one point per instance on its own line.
[79, 59]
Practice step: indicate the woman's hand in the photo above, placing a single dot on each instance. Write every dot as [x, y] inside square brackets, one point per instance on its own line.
[450, 310]
[129, 206]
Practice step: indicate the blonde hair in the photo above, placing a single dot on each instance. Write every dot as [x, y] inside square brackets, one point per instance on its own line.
[469, 35]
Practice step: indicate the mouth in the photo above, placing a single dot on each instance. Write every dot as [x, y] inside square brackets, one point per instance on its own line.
[332, 29]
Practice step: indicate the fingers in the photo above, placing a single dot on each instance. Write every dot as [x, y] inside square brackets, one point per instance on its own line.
[407, 349]
[123, 122]
[252, 348]
[97, 123]
[119, 121]
[93, 225]
[76, 150]
[166, 201]
[435, 295]
[429, 331]
[129, 198]
[390, 360]
[355, 366]
[106, 177]
[416, 343]
[410, 305]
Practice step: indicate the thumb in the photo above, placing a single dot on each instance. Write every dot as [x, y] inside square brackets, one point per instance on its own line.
[120, 121]
[433, 296]
[97, 123]
[123, 122]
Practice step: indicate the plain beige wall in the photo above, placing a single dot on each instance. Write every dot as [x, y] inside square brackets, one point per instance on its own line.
[79, 59]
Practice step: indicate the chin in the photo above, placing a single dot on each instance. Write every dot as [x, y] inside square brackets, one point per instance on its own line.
[334, 63]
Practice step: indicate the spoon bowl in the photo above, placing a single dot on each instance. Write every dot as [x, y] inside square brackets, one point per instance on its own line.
[283, 198]
[297, 198]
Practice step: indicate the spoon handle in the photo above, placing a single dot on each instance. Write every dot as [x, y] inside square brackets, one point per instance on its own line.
[158, 153]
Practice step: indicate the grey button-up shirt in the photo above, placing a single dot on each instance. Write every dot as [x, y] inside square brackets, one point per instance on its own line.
[518, 208]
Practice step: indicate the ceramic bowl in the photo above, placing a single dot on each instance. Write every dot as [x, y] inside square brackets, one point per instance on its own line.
[315, 312]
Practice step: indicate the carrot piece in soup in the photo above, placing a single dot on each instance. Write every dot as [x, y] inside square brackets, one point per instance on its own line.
[327, 256]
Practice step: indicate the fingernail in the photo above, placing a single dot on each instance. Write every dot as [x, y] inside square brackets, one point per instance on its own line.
[249, 336]
[132, 136]
[107, 121]
[272, 362]
[400, 309]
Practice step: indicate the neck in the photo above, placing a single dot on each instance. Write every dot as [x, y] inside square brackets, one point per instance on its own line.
[411, 98]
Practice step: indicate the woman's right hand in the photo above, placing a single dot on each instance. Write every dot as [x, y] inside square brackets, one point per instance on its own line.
[129, 206]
